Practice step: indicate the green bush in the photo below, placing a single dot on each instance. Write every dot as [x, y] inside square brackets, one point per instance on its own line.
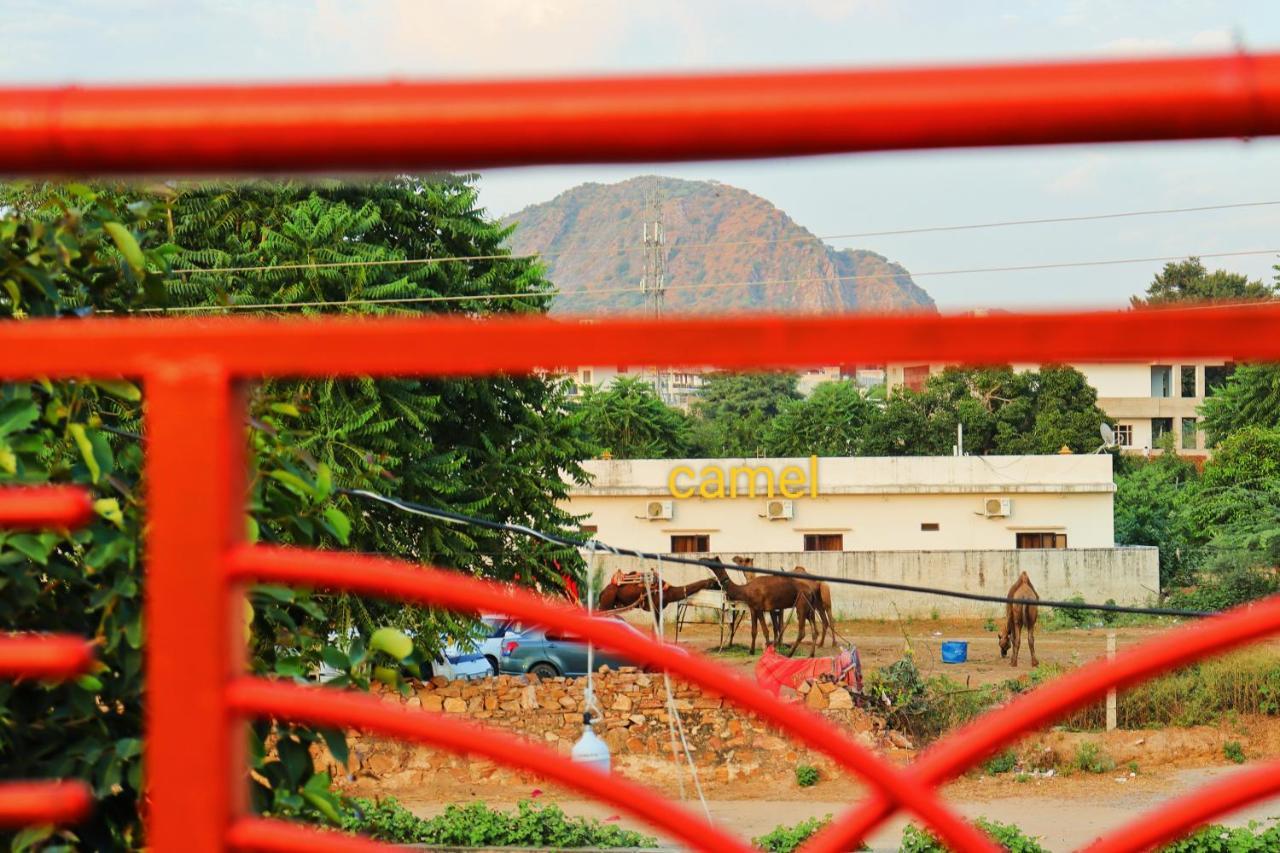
[1220, 839]
[806, 775]
[1001, 763]
[1233, 751]
[1227, 588]
[1008, 836]
[784, 839]
[475, 825]
[1091, 759]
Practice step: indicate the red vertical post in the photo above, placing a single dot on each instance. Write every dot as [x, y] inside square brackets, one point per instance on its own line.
[195, 770]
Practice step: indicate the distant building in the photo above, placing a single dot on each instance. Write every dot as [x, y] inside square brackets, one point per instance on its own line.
[1146, 399]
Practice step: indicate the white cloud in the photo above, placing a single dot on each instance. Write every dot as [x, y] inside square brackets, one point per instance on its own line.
[1139, 45]
[1080, 179]
[1220, 39]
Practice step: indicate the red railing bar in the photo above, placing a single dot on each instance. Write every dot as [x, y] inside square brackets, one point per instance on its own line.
[379, 126]
[1030, 711]
[464, 347]
[276, 836]
[40, 803]
[324, 707]
[44, 506]
[1178, 817]
[383, 577]
[51, 656]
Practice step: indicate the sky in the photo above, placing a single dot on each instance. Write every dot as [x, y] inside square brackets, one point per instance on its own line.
[90, 41]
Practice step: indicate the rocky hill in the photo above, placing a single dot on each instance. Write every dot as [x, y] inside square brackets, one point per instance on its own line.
[759, 258]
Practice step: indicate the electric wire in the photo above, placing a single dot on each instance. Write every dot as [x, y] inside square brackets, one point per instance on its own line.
[554, 538]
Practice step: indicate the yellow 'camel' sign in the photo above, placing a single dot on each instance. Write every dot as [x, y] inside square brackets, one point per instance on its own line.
[711, 482]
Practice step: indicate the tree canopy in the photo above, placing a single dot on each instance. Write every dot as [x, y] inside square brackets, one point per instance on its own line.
[1250, 397]
[1190, 281]
[629, 421]
[832, 421]
[733, 410]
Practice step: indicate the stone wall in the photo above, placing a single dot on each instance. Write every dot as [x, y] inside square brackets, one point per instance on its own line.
[727, 744]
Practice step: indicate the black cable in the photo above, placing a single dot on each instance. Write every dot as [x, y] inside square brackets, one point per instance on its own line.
[596, 545]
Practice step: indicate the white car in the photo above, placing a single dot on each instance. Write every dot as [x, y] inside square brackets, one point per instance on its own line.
[452, 661]
[497, 628]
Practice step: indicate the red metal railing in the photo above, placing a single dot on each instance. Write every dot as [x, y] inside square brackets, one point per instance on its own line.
[197, 564]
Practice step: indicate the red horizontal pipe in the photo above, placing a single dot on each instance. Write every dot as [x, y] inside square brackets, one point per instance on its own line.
[52, 656]
[323, 707]
[464, 347]
[262, 835]
[1179, 817]
[390, 126]
[408, 582]
[45, 506]
[966, 747]
[42, 803]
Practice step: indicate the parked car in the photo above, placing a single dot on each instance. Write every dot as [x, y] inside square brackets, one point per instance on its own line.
[452, 661]
[496, 630]
[547, 654]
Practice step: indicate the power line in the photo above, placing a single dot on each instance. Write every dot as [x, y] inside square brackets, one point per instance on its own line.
[487, 297]
[596, 545]
[729, 243]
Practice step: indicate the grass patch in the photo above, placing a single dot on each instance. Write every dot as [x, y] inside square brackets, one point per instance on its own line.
[1001, 762]
[1091, 759]
[1233, 751]
[735, 650]
[785, 839]
[806, 775]
[1006, 835]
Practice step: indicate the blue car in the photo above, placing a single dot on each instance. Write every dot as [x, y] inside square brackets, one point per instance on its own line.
[547, 654]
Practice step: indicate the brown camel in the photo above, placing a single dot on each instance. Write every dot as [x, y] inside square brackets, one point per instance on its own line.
[762, 596]
[1019, 618]
[620, 594]
[808, 605]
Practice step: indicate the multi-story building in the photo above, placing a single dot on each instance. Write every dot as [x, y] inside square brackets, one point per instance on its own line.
[1147, 400]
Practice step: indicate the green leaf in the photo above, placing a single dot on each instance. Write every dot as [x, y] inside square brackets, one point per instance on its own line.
[251, 531]
[128, 747]
[285, 409]
[109, 508]
[86, 450]
[18, 414]
[339, 522]
[324, 481]
[127, 245]
[317, 792]
[292, 482]
[88, 682]
[336, 740]
[33, 547]
[335, 658]
[120, 388]
[392, 641]
[385, 674]
[8, 459]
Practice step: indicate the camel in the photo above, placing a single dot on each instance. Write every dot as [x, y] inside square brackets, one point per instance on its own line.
[622, 593]
[813, 603]
[762, 596]
[1019, 618]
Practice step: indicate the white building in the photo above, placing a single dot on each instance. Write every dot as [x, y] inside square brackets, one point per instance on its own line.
[850, 503]
[1146, 399]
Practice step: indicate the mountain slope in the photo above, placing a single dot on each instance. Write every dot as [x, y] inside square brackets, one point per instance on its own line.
[760, 260]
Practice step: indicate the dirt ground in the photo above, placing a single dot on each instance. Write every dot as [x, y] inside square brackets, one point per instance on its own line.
[1151, 766]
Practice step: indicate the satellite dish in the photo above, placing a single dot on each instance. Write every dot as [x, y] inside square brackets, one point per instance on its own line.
[1108, 434]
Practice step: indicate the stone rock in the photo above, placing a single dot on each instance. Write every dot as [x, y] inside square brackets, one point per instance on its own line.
[454, 705]
[637, 719]
[568, 702]
[840, 699]
[816, 699]
[827, 686]
[431, 702]
[899, 740]
[622, 703]
[529, 699]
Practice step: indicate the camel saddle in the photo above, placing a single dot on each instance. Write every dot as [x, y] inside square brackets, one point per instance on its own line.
[649, 579]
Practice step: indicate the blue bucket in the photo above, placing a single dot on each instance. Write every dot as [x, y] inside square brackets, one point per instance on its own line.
[955, 652]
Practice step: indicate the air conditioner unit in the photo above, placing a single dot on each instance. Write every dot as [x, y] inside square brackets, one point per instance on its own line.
[779, 510]
[659, 510]
[997, 507]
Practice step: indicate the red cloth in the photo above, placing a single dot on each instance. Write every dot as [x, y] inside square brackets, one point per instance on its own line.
[774, 672]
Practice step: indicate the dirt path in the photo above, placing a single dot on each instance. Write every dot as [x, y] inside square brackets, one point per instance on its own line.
[1064, 813]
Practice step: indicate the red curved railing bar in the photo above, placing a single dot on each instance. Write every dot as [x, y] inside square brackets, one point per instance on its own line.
[251, 348]
[275, 836]
[53, 656]
[975, 741]
[40, 803]
[382, 126]
[408, 582]
[1176, 818]
[45, 506]
[323, 707]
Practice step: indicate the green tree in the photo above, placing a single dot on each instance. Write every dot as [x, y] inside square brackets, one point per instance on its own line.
[1189, 281]
[1251, 397]
[495, 447]
[734, 409]
[832, 421]
[630, 422]
[1149, 497]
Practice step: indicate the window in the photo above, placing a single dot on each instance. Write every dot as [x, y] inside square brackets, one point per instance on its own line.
[1124, 435]
[1188, 380]
[1161, 380]
[1159, 427]
[1188, 434]
[915, 377]
[929, 526]
[589, 529]
[1216, 377]
[1042, 540]
[824, 541]
[585, 376]
[698, 543]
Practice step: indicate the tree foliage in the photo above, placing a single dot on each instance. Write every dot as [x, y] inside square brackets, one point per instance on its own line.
[832, 421]
[1251, 397]
[1149, 497]
[629, 421]
[497, 448]
[733, 410]
[1189, 281]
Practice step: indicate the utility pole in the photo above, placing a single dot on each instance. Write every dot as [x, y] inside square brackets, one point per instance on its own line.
[653, 281]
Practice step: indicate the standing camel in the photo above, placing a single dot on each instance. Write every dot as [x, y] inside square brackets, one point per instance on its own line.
[624, 591]
[762, 596]
[812, 603]
[1019, 618]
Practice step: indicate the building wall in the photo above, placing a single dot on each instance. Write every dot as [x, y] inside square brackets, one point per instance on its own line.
[874, 503]
[1127, 575]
